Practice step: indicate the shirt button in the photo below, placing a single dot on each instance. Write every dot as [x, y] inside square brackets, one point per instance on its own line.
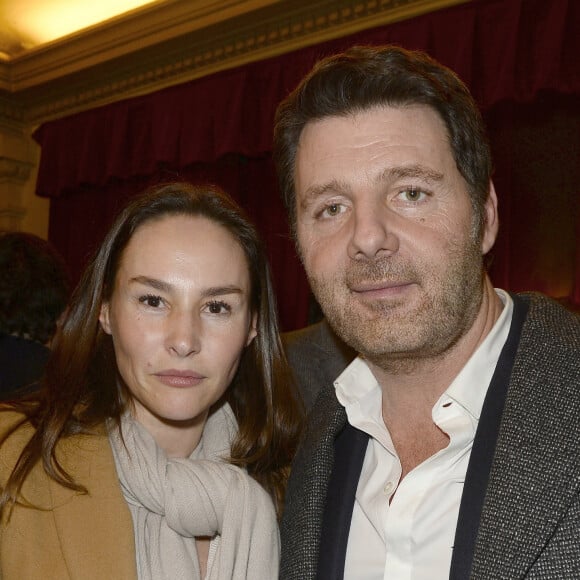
[388, 488]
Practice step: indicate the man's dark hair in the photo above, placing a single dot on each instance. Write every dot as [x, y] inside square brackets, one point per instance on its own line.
[34, 286]
[365, 77]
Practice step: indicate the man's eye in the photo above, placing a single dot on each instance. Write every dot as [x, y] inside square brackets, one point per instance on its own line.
[413, 194]
[151, 300]
[332, 210]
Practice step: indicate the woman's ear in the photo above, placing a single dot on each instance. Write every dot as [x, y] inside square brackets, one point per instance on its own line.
[253, 329]
[104, 318]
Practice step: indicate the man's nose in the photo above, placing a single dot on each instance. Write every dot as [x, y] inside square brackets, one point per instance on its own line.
[373, 232]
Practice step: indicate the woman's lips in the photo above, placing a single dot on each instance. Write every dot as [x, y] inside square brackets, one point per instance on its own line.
[176, 378]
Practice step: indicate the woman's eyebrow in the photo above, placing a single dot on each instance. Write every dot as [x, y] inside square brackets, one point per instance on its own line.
[163, 286]
[152, 282]
[221, 290]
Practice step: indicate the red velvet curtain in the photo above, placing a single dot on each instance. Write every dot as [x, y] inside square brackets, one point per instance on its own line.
[519, 57]
[537, 175]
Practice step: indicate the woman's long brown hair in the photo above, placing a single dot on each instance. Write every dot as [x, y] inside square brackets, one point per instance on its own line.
[80, 389]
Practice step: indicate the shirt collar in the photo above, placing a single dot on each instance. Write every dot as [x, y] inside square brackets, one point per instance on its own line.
[466, 389]
[357, 386]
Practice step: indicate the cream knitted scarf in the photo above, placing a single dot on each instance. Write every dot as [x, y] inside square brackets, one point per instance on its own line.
[174, 500]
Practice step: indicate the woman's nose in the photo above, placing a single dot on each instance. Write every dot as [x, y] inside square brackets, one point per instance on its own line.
[184, 334]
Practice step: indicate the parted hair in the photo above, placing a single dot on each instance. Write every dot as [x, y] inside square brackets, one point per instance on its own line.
[81, 388]
[365, 77]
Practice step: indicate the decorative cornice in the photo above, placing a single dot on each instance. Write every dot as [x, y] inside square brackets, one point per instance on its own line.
[123, 35]
[14, 171]
[11, 111]
[176, 42]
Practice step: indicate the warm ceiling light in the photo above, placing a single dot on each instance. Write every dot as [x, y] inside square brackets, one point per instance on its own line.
[40, 21]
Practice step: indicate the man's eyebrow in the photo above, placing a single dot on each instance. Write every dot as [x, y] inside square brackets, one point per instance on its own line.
[314, 191]
[209, 292]
[410, 171]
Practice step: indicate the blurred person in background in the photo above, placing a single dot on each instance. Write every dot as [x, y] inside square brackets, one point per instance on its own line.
[34, 291]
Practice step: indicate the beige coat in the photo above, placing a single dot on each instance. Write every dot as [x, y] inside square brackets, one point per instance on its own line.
[75, 536]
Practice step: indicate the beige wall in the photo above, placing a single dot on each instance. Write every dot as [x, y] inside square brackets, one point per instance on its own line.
[20, 208]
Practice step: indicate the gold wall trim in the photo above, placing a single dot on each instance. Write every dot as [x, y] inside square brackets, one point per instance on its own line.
[126, 34]
[177, 42]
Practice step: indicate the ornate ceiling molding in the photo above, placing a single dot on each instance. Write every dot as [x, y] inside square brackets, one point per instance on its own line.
[178, 41]
[11, 112]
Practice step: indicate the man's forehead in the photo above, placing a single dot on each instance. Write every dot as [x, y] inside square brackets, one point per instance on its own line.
[358, 112]
[381, 127]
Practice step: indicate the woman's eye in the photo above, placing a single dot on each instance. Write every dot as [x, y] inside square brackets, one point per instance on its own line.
[218, 307]
[150, 300]
[413, 194]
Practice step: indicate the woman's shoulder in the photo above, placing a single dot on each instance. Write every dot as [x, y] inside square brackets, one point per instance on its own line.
[79, 454]
[15, 432]
[13, 419]
[14, 426]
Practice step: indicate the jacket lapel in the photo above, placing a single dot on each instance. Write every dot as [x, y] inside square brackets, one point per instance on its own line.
[307, 488]
[349, 452]
[535, 472]
[95, 529]
[482, 453]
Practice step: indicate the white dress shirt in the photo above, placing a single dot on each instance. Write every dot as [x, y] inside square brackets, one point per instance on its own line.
[412, 537]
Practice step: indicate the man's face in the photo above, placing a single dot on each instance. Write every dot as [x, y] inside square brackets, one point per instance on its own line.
[386, 232]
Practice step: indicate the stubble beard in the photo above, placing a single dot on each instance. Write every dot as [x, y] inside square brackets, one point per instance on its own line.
[392, 334]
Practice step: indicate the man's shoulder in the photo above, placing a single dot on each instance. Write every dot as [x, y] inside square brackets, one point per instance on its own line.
[549, 346]
[309, 334]
[547, 318]
[319, 336]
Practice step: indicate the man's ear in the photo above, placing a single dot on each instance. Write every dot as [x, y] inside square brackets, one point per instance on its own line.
[104, 318]
[253, 332]
[491, 221]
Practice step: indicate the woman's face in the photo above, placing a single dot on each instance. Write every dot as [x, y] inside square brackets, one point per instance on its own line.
[179, 317]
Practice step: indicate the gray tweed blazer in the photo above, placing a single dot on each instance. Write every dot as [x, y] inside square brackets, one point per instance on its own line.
[530, 520]
[317, 356]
